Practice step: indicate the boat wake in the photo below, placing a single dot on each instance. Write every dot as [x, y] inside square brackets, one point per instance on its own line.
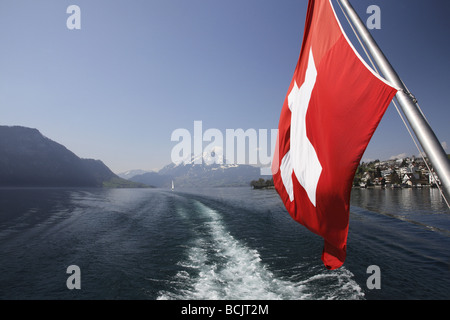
[217, 266]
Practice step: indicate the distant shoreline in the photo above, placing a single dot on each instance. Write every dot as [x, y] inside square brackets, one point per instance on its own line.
[396, 187]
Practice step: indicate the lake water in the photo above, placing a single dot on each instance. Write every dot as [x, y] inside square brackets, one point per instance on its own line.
[218, 243]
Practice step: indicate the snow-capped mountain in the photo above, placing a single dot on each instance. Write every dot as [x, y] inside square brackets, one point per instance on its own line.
[131, 173]
[194, 174]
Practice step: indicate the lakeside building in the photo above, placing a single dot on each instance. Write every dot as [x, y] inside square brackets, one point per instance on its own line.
[404, 172]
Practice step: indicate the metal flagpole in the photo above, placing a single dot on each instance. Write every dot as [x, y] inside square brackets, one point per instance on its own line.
[418, 123]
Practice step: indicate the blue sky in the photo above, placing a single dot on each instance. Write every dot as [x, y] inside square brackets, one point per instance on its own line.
[137, 70]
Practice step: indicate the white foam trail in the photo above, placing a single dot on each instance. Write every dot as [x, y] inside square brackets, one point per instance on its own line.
[222, 268]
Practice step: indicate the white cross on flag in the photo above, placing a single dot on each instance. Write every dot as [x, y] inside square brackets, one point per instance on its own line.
[332, 108]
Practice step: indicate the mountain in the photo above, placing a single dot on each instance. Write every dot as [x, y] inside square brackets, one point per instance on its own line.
[27, 158]
[154, 179]
[200, 175]
[131, 173]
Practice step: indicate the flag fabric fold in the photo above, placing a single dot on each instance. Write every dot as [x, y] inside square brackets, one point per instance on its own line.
[333, 106]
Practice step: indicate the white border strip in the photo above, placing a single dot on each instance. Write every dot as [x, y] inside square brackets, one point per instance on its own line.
[357, 53]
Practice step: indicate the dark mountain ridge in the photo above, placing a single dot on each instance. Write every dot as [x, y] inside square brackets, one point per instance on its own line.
[28, 158]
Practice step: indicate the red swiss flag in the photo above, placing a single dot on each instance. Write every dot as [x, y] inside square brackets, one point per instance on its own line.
[332, 108]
